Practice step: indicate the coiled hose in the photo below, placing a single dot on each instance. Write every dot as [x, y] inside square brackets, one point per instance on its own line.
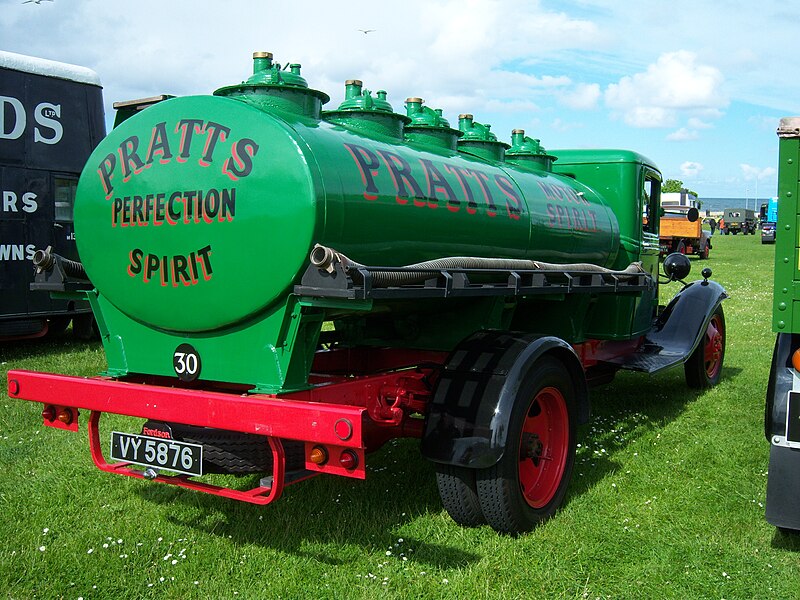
[324, 257]
[44, 260]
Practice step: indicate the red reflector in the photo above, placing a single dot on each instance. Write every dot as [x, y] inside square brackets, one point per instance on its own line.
[348, 459]
[318, 456]
[49, 413]
[65, 416]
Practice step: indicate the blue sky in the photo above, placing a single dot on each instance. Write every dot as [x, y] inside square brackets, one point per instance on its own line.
[697, 87]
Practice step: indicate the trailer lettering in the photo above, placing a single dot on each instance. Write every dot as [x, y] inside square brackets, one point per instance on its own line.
[10, 202]
[46, 115]
[17, 251]
[175, 270]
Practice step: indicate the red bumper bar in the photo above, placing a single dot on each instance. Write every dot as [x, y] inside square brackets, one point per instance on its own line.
[333, 425]
[262, 414]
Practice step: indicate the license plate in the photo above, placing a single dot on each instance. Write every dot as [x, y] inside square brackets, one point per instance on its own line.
[179, 457]
[793, 419]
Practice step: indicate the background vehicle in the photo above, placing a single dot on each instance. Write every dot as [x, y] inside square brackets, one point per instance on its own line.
[681, 229]
[52, 119]
[769, 220]
[491, 289]
[739, 219]
[782, 412]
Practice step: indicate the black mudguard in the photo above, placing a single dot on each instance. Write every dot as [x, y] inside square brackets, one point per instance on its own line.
[680, 328]
[783, 480]
[468, 421]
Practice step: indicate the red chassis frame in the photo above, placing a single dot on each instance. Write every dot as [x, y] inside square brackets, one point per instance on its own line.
[343, 414]
[365, 397]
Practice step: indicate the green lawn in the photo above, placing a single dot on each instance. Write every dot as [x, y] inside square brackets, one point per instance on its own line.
[667, 501]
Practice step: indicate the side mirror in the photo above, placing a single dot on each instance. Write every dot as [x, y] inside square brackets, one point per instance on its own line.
[692, 215]
[677, 266]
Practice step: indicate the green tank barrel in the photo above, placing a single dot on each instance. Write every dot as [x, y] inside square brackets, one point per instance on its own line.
[197, 215]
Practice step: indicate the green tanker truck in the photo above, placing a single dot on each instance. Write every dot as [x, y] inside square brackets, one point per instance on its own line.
[782, 412]
[282, 289]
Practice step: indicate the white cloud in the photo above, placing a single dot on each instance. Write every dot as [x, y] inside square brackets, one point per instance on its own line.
[696, 123]
[690, 169]
[675, 84]
[751, 172]
[582, 96]
[683, 135]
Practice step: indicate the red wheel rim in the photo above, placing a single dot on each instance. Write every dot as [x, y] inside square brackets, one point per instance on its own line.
[544, 446]
[714, 345]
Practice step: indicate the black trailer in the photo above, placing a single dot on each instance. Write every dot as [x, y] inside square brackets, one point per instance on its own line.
[51, 118]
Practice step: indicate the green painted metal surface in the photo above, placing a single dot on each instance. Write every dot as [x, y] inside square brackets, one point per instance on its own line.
[786, 298]
[196, 216]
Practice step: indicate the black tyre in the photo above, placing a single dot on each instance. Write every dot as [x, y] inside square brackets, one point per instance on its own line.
[236, 452]
[84, 327]
[57, 325]
[459, 495]
[530, 481]
[704, 367]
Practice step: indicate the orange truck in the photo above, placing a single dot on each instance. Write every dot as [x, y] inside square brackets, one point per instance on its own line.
[681, 228]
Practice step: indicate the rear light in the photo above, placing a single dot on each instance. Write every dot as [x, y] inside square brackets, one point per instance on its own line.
[318, 456]
[49, 413]
[348, 459]
[65, 416]
[796, 359]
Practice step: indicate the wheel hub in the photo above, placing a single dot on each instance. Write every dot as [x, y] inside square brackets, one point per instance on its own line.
[531, 447]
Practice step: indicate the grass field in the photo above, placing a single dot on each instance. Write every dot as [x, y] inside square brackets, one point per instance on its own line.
[667, 501]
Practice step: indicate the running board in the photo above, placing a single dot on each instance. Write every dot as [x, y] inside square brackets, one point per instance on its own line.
[651, 358]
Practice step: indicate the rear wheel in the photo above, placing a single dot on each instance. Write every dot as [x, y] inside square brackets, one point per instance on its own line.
[704, 367]
[530, 481]
[681, 247]
[459, 494]
[704, 252]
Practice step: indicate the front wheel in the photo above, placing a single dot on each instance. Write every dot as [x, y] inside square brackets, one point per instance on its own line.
[529, 482]
[704, 367]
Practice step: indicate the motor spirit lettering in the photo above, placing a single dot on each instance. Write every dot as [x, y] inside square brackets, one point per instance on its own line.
[568, 209]
[454, 187]
[186, 139]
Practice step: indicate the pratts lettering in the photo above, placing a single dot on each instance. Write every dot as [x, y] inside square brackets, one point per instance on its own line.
[178, 269]
[240, 164]
[197, 137]
[440, 183]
